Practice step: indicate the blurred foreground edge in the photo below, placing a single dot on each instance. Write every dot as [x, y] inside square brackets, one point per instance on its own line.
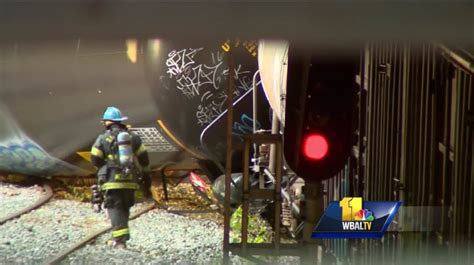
[310, 23]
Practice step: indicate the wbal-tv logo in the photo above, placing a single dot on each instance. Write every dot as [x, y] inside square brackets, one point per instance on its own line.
[352, 218]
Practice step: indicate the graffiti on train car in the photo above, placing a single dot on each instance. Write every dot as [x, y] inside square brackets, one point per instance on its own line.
[244, 126]
[25, 157]
[20, 154]
[203, 81]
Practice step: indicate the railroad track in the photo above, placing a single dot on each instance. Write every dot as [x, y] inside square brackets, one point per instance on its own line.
[185, 211]
[62, 255]
[45, 198]
[55, 255]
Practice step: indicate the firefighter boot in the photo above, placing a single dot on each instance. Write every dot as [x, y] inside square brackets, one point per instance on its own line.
[114, 243]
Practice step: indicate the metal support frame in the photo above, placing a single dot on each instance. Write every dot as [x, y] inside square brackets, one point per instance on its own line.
[254, 128]
[250, 194]
[228, 165]
[275, 130]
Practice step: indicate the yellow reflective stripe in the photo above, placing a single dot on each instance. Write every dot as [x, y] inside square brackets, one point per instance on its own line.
[97, 152]
[109, 139]
[111, 157]
[121, 232]
[140, 150]
[119, 185]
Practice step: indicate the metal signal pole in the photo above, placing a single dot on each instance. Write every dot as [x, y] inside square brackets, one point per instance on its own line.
[228, 168]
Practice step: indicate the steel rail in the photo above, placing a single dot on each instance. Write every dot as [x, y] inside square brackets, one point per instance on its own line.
[62, 255]
[48, 194]
[190, 211]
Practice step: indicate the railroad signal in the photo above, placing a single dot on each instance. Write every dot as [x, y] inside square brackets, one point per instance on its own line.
[318, 114]
[315, 146]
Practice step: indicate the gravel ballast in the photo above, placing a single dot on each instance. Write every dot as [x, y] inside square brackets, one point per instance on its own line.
[42, 233]
[158, 237]
[14, 198]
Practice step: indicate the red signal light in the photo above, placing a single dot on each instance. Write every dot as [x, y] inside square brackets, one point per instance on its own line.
[315, 146]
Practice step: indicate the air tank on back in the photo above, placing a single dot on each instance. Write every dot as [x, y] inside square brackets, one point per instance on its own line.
[125, 152]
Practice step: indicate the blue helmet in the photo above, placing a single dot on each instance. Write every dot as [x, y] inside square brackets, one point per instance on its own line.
[113, 114]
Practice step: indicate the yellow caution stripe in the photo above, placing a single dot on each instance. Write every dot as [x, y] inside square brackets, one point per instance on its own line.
[119, 185]
[120, 232]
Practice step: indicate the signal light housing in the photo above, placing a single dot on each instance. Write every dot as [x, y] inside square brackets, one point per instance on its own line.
[318, 113]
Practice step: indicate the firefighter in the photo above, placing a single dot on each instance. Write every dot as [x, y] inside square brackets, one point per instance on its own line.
[115, 154]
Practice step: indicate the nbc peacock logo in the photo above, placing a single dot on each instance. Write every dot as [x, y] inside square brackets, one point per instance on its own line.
[364, 215]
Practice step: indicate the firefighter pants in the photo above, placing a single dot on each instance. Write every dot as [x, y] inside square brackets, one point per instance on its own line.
[118, 203]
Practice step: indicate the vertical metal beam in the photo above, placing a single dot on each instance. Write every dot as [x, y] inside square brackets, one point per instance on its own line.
[278, 170]
[246, 194]
[388, 123]
[410, 126]
[369, 123]
[404, 121]
[456, 149]
[421, 141]
[399, 119]
[275, 130]
[383, 125]
[423, 119]
[457, 154]
[313, 208]
[254, 117]
[392, 120]
[417, 90]
[463, 159]
[370, 115]
[463, 141]
[408, 116]
[228, 169]
[426, 134]
[377, 125]
[254, 101]
[389, 144]
[446, 141]
[433, 130]
[471, 163]
[413, 176]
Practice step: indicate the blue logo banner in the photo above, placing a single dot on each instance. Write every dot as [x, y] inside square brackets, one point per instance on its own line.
[348, 219]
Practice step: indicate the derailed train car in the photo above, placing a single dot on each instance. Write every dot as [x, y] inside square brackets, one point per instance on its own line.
[53, 95]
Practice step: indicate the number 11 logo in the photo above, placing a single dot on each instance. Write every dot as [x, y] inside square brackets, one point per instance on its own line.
[350, 207]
